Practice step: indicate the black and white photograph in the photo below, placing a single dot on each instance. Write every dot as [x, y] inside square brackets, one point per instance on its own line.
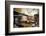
[26, 17]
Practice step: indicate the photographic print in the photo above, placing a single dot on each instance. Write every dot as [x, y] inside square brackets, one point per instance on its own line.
[24, 17]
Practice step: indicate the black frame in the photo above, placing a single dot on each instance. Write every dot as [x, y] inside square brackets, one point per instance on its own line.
[7, 13]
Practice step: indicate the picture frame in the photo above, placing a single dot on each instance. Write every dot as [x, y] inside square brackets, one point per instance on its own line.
[10, 17]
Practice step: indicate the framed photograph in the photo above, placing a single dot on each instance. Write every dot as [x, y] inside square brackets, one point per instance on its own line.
[24, 17]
